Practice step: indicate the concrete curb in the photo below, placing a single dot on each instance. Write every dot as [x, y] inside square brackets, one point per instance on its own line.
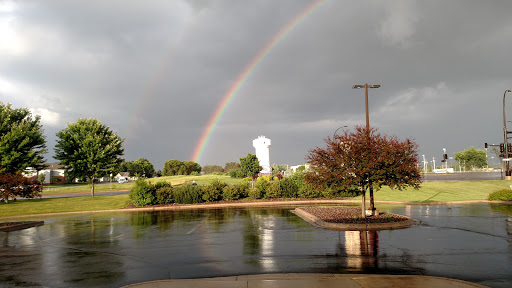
[299, 280]
[352, 226]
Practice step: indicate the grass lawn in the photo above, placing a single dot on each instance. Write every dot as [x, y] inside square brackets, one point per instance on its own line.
[442, 191]
[174, 180]
[55, 205]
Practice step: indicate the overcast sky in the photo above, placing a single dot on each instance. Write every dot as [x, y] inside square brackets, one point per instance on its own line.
[156, 71]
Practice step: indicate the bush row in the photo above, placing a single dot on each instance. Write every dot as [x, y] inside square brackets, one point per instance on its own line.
[145, 193]
[501, 195]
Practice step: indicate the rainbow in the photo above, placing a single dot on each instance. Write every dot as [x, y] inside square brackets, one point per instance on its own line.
[242, 78]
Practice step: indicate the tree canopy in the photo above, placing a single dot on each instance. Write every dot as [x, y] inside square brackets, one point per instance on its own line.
[140, 167]
[88, 149]
[22, 143]
[366, 159]
[209, 169]
[177, 167]
[471, 157]
[250, 165]
[230, 166]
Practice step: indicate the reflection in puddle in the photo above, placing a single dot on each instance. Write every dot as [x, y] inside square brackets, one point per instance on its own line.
[361, 248]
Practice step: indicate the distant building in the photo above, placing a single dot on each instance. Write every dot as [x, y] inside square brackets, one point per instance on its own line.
[54, 173]
[262, 146]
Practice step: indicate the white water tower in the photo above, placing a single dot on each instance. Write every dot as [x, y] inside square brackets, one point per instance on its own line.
[262, 146]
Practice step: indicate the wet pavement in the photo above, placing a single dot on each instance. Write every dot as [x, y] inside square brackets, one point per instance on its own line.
[466, 242]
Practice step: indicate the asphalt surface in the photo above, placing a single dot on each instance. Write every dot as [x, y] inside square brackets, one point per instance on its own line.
[466, 242]
[97, 193]
[462, 176]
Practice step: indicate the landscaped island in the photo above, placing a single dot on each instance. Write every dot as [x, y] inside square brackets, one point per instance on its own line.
[349, 218]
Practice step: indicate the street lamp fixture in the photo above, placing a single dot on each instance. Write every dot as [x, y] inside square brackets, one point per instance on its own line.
[342, 127]
[505, 137]
[366, 86]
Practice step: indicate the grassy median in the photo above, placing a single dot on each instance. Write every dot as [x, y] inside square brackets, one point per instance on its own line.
[56, 205]
[443, 191]
[428, 193]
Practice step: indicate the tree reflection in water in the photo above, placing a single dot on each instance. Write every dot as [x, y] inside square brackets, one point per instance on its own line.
[360, 248]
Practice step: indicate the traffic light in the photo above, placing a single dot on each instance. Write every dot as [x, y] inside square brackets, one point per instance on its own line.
[486, 145]
[502, 147]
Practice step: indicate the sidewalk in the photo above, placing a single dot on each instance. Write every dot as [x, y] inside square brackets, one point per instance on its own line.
[311, 281]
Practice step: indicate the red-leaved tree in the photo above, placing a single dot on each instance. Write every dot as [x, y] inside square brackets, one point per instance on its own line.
[14, 185]
[366, 159]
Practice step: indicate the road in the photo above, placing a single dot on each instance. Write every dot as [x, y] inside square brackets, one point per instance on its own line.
[462, 176]
[82, 194]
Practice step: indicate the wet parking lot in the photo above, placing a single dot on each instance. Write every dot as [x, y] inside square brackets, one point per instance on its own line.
[468, 242]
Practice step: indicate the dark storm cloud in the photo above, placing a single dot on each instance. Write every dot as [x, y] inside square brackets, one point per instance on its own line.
[155, 71]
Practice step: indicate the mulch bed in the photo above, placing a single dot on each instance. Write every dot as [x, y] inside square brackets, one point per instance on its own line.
[351, 215]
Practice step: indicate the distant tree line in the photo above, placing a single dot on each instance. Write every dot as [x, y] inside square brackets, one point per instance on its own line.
[177, 167]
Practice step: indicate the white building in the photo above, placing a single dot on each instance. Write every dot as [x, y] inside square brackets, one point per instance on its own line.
[262, 146]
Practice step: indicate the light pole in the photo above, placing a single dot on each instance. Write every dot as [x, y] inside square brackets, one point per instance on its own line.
[424, 164]
[366, 86]
[505, 136]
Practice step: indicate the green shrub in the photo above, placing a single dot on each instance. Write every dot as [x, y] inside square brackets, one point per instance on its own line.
[237, 173]
[298, 179]
[219, 185]
[164, 195]
[501, 195]
[350, 192]
[307, 191]
[143, 193]
[273, 190]
[331, 192]
[211, 193]
[188, 194]
[288, 188]
[243, 188]
[162, 184]
[230, 192]
[262, 184]
[254, 193]
[194, 173]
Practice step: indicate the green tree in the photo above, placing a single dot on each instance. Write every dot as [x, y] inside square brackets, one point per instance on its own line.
[191, 166]
[22, 143]
[230, 166]
[177, 167]
[172, 167]
[250, 165]
[471, 157]
[209, 169]
[88, 148]
[140, 167]
[364, 159]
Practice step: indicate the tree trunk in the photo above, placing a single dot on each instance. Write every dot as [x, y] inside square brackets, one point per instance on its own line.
[92, 187]
[372, 205]
[363, 192]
